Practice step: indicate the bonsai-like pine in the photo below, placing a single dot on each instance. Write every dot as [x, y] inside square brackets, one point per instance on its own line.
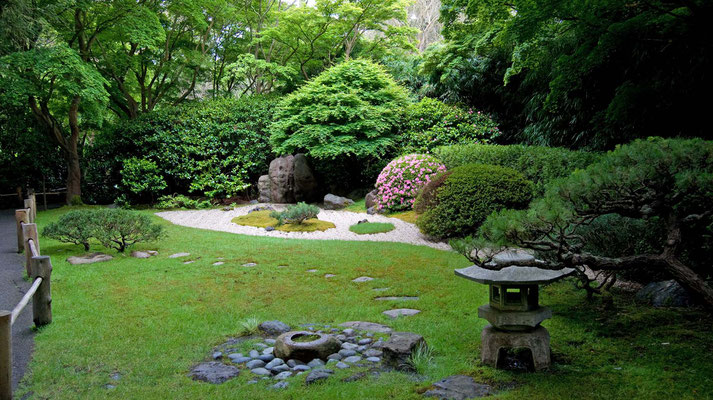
[119, 229]
[75, 227]
[296, 214]
[668, 183]
[351, 109]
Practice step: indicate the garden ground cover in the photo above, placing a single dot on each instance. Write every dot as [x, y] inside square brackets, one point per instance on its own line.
[150, 320]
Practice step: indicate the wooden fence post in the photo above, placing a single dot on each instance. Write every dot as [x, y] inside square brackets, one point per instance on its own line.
[28, 206]
[5, 355]
[29, 231]
[42, 300]
[33, 204]
[20, 217]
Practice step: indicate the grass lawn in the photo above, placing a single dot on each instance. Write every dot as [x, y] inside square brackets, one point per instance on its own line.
[152, 319]
[359, 206]
[368, 228]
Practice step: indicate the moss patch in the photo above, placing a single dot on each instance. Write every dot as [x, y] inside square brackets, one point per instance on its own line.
[406, 216]
[262, 219]
[369, 228]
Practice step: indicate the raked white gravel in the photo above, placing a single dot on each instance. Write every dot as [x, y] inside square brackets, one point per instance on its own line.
[219, 220]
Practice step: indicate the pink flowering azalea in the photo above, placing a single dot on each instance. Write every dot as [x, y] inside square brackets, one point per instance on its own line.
[401, 180]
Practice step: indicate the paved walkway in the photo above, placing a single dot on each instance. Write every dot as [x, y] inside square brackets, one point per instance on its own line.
[12, 287]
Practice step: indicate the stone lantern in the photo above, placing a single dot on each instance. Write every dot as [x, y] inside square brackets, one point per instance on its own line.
[514, 311]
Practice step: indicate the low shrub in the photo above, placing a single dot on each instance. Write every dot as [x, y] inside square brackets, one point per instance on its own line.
[469, 194]
[401, 180]
[370, 228]
[118, 229]
[539, 164]
[181, 201]
[296, 214]
[142, 178]
[75, 227]
[427, 197]
[431, 123]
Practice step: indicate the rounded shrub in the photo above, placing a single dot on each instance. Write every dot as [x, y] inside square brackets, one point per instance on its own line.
[427, 196]
[401, 180]
[468, 195]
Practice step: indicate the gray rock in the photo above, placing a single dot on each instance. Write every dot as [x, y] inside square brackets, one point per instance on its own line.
[217, 263]
[361, 348]
[305, 184]
[352, 359]
[89, 259]
[363, 221]
[217, 355]
[109, 386]
[373, 353]
[115, 376]
[665, 294]
[263, 187]
[178, 255]
[370, 199]
[266, 357]
[348, 331]
[349, 346]
[289, 346]
[342, 365]
[213, 372]
[396, 298]
[261, 372]
[332, 361]
[283, 375]
[253, 202]
[367, 326]
[269, 228]
[371, 210]
[261, 346]
[364, 341]
[458, 387]
[398, 312]
[254, 354]
[335, 356]
[294, 363]
[329, 275]
[268, 350]
[318, 375]
[274, 363]
[140, 254]
[255, 364]
[280, 385]
[373, 359]
[299, 368]
[316, 363]
[282, 182]
[271, 342]
[274, 328]
[189, 262]
[332, 202]
[280, 368]
[240, 360]
[362, 279]
[250, 264]
[397, 350]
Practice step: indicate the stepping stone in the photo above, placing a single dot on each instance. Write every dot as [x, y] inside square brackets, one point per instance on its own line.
[311, 270]
[366, 326]
[177, 255]
[318, 375]
[396, 298]
[458, 387]
[143, 254]
[250, 264]
[363, 279]
[274, 328]
[188, 262]
[281, 384]
[399, 312]
[214, 372]
[282, 266]
[89, 258]
[329, 275]
[218, 263]
[381, 289]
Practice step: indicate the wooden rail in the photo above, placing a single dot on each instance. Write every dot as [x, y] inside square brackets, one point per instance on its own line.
[39, 268]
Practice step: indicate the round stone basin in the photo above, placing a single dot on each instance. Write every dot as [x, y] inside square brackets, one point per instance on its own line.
[306, 346]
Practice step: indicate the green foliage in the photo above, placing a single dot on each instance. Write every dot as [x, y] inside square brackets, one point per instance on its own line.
[76, 227]
[541, 165]
[370, 228]
[428, 196]
[118, 229]
[432, 123]
[352, 109]
[212, 148]
[296, 214]
[140, 176]
[181, 201]
[469, 195]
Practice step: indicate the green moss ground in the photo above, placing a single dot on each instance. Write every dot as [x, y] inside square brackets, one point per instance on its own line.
[262, 219]
[152, 319]
[359, 206]
[369, 228]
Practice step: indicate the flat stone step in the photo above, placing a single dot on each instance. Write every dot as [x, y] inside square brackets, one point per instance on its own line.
[396, 298]
[401, 312]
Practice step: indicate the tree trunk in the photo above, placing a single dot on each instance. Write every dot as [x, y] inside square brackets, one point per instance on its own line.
[74, 172]
[691, 281]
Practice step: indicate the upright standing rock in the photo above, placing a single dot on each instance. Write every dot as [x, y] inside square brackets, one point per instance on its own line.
[370, 199]
[282, 179]
[263, 186]
[305, 182]
[397, 350]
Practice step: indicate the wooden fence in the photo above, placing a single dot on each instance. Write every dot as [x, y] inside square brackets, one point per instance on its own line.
[39, 268]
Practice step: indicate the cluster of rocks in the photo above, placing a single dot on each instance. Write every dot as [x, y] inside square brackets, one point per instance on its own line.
[289, 179]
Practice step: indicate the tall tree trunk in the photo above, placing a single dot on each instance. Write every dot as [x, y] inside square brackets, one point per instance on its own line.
[74, 172]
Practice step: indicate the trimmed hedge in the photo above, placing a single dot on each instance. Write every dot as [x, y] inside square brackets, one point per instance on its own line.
[468, 195]
[538, 164]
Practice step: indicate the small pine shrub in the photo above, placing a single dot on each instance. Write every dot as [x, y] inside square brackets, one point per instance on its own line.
[401, 180]
[118, 229]
[469, 195]
[296, 214]
[75, 227]
[181, 201]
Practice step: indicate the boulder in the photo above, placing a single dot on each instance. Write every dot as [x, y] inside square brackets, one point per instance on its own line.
[370, 199]
[282, 179]
[458, 387]
[274, 328]
[263, 187]
[665, 294]
[89, 258]
[290, 346]
[318, 375]
[333, 202]
[213, 372]
[397, 350]
[305, 184]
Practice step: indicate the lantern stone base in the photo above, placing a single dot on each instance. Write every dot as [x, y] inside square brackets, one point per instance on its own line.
[537, 340]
